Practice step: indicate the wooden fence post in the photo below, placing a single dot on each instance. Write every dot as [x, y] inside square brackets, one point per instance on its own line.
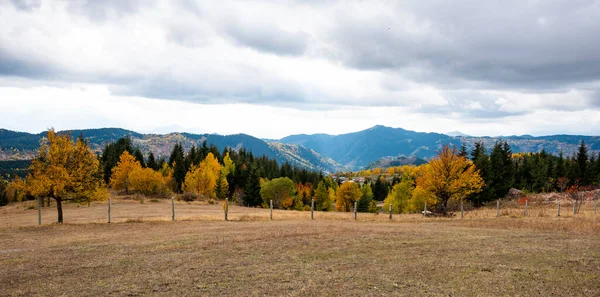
[525, 213]
[574, 206]
[498, 207]
[271, 217]
[39, 202]
[355, 209]
[390, 211]
[312, 209]
[109, 210]
[173, 209]
[226, 208]
[462, 210]
[558, 211]
[595, 205]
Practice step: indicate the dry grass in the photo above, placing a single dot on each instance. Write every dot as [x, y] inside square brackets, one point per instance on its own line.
[200, 254]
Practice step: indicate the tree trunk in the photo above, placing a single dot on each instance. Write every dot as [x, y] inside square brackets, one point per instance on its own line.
[48, 202]
[445, 207]
[59, 209]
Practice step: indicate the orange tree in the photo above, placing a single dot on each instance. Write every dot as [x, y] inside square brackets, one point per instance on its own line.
[65, 171]
[450, 176]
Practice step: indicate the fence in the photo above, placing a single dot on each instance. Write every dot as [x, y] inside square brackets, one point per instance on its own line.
[176, 210]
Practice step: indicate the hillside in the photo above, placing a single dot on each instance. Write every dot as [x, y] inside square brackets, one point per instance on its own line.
[376, 146]
[22, 146]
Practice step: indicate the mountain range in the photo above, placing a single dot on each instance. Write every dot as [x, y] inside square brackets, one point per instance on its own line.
[378, 146]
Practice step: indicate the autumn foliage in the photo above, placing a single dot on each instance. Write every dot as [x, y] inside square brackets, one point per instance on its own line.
[449, 176]
[65, 171]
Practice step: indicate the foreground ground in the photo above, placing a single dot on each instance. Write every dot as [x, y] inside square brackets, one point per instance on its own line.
[332, 255]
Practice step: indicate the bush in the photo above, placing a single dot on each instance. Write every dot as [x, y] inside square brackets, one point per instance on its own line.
[187, 196]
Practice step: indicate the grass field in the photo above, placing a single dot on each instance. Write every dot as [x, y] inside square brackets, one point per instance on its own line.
[200, 254]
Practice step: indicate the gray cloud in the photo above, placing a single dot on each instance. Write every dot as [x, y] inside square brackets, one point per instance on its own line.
[377, 53]
[267, 37]
[509, 44]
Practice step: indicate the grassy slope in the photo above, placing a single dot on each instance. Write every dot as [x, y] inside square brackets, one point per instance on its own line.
[295, 256]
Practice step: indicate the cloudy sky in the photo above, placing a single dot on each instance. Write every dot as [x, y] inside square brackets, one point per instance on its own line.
[273, 68]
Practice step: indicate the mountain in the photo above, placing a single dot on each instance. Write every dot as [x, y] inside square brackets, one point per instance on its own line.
[22, 146]
[456, 133]
[358, 149]
[376, 146]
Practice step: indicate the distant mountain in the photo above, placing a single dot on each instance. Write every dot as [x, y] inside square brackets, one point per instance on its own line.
[456, 134]
[358, 149]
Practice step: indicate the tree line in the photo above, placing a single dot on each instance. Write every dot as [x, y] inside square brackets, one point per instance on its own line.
[67, 170]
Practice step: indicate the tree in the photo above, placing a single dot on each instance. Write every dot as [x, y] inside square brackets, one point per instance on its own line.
[252, 189]
[399, 197]
[347, 194]
[463, 151]
[137, 153]
[222, 187]
[280, 190]
[152, 162]
[177, 162]
[481, 161]
[120, 179]
[380, 189]
[202, 179]
[65, 171]
[366, 197]
[449, 176]
[321, 197]
[582, 160]
[146, 181]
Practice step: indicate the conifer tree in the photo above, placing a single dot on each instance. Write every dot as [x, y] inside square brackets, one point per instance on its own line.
[252, 189]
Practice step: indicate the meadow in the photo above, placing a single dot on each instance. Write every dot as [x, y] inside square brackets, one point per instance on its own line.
[142, 252]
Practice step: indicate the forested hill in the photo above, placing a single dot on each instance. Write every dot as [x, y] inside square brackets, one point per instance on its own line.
[376, 146]
[22, 146]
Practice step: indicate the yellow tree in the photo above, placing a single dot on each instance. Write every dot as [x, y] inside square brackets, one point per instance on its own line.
[347, 194]
[65, 171]
[146, 181]
[202, 179]
[120, 178]
[450, 176]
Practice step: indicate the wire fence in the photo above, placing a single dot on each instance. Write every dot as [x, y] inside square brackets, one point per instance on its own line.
[172, 210]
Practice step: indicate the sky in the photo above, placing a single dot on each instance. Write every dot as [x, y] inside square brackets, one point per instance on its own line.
[275, 68]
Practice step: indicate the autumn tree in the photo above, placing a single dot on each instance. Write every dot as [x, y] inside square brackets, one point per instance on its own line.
[450, 176]
[347, 194]
[146, 181]
[202, 179]
[281, 190]
[65, 171]
[399, 197]
[321, 196]
[120, 179]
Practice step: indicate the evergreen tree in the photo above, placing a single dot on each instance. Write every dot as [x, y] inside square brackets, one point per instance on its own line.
[501, 170]
[137, 153]
[252, 190]
[482, 163]
[365, 198]
[582, 160]
[152, 162]
[463, 151]
[177, 162]
[380, 189]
